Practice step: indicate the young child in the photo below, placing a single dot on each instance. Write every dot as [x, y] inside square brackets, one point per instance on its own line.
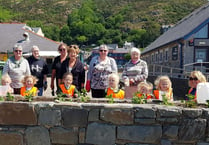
[164, 88]
[113, 89]
[145, 88]
[67, 87]
[6, 81]
[28, 86]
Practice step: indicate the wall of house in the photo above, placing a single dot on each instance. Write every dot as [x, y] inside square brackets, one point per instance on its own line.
[48, 123]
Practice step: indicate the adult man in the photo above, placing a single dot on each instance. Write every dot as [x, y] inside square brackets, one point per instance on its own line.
[38, 68]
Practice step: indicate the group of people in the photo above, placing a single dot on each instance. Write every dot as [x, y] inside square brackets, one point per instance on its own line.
[29, 76]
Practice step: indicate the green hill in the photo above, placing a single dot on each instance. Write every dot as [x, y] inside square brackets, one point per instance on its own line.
[116, 20]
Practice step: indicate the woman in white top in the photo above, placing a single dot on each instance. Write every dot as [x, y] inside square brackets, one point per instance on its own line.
[99, 69]
[16, 67]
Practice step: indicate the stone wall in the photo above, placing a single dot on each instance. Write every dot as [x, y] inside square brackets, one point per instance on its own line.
[49, 123]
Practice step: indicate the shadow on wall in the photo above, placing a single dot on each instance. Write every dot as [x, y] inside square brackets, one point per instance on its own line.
[180, 86]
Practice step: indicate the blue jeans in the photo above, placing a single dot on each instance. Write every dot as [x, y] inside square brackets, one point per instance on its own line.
[40, 91]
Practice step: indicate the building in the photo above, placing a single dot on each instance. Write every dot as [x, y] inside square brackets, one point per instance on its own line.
[20, 34]
[185, 45]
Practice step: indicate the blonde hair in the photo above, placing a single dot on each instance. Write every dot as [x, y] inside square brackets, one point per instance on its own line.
[73, 48]
[4, 78]
[160, 79]
[29, 76]
[115, 76]
[147, 85]
[198, 75]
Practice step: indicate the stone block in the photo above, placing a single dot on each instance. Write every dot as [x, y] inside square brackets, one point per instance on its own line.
[192, 130]
[37, 136]
[192, 113]
[142, 134]
[74, 117]
[170, 132]
[100, 134]
[60, 135]
[82, 135]
[11, 138]
[169, 112]
[13, 113]
[145, 112]
[49, 117]
[94, 115]
[145, 121]
[117, 116]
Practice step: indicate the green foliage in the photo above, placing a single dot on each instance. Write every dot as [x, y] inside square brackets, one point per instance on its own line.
[9, 97]
[29, 96]
[191, 102]
[83, 96]
[166, 101]
[110, 98]
[95, 21]
[1, 98]
[139, 100]
[62, 97]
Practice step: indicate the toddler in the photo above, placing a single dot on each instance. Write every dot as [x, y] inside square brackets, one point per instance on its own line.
[6, 81]
[67, 87]
[145, 88]
[28, 86]
[164, 88]
[113, 89]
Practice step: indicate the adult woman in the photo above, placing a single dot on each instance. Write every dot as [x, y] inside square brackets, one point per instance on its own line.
[195, 78]
[16, 67]
[56, 66]
[135, 71]
[99, 69]
[75, 66]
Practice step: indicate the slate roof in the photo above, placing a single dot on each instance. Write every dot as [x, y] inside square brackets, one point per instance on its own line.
[12, 33]
[183, 29]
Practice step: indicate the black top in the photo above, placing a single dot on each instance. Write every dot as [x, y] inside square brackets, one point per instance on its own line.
[77, 71]
[57, 66]
[38, 68]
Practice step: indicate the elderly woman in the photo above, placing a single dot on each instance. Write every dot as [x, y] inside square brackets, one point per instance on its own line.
[135, 71]
[56, 66]
[16, 67]
[99, 69]
[74, 65]
[195, 78]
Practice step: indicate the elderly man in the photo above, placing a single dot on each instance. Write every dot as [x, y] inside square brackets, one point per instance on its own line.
[39, 69]
[16, 67]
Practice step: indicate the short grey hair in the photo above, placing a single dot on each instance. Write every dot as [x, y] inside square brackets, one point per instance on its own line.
[34, 47]
[134, 49]
[103, 46]
[17, 46]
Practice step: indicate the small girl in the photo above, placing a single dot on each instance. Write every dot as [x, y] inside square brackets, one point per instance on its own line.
[113, 89]
[6, 81]
[67, 87]
[145, 88]
[28, 86]
[164, 88]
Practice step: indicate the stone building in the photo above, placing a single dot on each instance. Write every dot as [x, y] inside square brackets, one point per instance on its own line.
[185, 45]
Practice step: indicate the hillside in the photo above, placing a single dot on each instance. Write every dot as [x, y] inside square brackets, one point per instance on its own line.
[52, 15]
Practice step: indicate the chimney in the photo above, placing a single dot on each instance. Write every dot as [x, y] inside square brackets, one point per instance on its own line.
[26, 35]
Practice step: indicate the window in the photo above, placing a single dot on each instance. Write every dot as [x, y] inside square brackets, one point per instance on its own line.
[166, 55]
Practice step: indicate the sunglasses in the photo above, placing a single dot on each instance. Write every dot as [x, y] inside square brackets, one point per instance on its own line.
[18, 50]
[191, 79]
[73, 46]
[61, 50]
[102, 50]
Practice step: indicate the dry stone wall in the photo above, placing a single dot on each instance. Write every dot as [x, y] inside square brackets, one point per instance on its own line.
[49, 123]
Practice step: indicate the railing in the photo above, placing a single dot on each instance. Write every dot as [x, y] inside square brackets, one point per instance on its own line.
[157, 70]
[172, 72]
